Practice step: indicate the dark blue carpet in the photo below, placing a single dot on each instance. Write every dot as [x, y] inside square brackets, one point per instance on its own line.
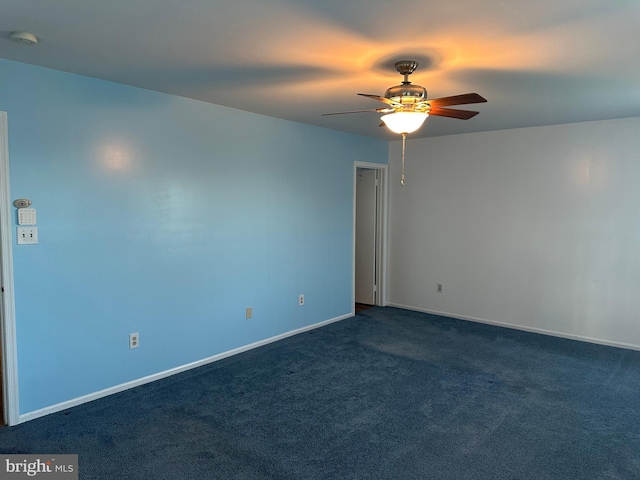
[388, 394]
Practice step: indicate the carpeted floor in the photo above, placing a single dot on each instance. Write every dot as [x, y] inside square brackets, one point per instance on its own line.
[388, 394]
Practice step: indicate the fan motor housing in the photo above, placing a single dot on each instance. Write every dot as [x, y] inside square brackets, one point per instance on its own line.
[406, 91]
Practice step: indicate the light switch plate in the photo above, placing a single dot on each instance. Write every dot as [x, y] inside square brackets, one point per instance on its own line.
[27, 235]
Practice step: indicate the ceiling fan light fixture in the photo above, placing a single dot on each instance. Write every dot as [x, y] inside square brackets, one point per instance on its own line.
[408, 107]
[404, 122]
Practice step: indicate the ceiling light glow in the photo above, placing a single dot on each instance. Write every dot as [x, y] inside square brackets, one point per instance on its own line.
[404, 122]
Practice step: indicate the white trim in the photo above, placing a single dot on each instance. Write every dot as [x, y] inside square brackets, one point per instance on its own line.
[173, 371]
[381, 298]
[552, 333]
[8, 333]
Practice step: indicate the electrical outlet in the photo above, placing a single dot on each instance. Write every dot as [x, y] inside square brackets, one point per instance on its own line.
[249, 313]
[301, 300]
[439, 288]
[134, 340]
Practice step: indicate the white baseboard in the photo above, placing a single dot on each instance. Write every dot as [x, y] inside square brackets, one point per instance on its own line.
[608, 343]
[173, 371]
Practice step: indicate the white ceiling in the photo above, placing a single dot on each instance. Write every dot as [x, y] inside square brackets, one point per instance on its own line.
[537, 62]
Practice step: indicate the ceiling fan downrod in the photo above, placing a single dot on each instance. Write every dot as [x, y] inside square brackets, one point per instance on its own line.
[406, 92]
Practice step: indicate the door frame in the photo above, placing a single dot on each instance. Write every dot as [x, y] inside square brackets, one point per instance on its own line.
[381, 234]
[7, 304]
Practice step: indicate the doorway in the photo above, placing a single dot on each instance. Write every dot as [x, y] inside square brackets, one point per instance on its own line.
[370, 209]
[8, 357]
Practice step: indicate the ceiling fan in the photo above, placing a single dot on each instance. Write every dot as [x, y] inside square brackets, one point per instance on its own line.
[407, 106]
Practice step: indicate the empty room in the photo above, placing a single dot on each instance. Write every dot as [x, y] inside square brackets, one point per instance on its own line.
[318, 240]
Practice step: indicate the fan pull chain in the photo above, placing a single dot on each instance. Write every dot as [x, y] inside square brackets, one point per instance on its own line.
[404, 139]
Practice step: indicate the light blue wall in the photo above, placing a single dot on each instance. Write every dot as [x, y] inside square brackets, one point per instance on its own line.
[166, 216]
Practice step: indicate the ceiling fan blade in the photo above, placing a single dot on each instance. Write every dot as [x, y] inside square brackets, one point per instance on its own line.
[379, 110]
[463, 99]
[452, 113]
[381, 99]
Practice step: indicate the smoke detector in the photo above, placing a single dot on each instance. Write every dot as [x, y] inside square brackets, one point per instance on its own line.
[24, 38]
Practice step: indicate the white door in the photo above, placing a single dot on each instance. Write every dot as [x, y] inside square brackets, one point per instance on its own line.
[366, 235]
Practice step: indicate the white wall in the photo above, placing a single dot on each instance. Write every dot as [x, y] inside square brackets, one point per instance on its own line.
[536, 228]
